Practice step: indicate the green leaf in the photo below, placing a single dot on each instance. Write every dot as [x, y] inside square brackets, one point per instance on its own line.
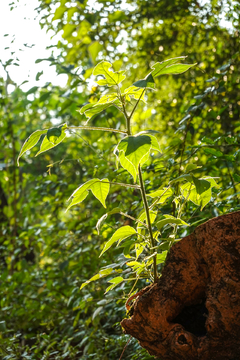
[137, 266]
[112, 78]
[163, 194]
[148, 82]
[2, 326]
[168, 219]
[32, 91]
[39, 74]
[182, 177]
[119, 235]
[92, 109]
[100, 275]
[108, 98]
[96, 109]
[160, 66]
[191, 167]
[213, 151]
[161, 257]
[236, 178]
[104, 217]
[134, 149]
[134, 92]
[170, 67]
[139, 249]
[31, 141]
[127, 165]
[116, 280]
[100, 222]
[94, 49]
[99, 188]
[59, 12]
[149, 132]
[68, 30]
[114, 211]
[154, 142]
[53, 134]
[189, 191]
[55, 139]
[211, 180]
[201, 185]
[143, 216]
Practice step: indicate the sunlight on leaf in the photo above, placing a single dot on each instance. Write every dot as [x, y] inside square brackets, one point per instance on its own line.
[56, 136]
[31, 141]
[99, 188]
[119, 235]
[168, 219]
[112, 78]
[170, 67]
[134, 150]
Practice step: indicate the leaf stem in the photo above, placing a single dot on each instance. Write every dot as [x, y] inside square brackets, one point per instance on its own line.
[96, 128]
[122, 184]
[130, 116]
[144, 198]
[132, 218]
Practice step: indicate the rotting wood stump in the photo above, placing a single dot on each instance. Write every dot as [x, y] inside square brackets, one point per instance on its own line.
[193, 311]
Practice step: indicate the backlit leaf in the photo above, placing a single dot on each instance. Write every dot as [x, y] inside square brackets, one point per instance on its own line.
[134, 92]
[201, 185]
[168, 219]
[170, 67]
[163, 194]
[119, 235]
[92, 109]
[53, 134]
[100, 275]
[148, 82]
[104, 217]
[188, 190]
[47, 145]
[161, 257]
[31, 141]
[111, 77]
[134, 150]
[116, 280]
[99, 188]
[127, 165]
[94, 49]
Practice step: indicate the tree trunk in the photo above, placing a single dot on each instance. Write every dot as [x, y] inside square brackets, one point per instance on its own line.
[193, 311]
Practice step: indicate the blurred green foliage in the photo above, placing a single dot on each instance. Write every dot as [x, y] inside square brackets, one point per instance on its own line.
[46, 254]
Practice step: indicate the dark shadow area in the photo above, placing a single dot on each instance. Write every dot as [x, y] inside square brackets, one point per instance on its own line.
[193, 318]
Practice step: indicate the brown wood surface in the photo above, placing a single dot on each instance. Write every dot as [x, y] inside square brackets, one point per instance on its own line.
[193, 312]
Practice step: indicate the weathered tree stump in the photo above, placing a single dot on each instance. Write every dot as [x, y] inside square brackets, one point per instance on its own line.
[193, 311]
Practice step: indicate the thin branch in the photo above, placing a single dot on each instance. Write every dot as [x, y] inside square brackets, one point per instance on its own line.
[136, 105]
[132, 218]
[144, 198]
[125, 348]
[122, 184]
[96, 128]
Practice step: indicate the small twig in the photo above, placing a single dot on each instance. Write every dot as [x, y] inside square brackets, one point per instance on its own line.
[125, 348]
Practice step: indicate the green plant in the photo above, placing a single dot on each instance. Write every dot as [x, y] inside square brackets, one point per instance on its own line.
[146, 246]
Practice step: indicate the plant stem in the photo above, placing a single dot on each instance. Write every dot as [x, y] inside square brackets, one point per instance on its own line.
[144, 198]
[96, 128]
[121, 184]
[130, 116]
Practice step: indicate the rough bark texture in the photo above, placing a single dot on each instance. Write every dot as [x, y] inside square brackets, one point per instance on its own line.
[193, 312]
